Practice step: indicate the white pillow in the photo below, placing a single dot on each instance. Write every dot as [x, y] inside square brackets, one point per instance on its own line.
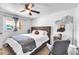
[42, 32]
[45, 33]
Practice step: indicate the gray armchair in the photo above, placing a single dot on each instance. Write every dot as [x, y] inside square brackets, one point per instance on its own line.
[60, 47]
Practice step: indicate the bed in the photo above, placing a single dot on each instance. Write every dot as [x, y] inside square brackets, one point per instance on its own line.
[40, 41]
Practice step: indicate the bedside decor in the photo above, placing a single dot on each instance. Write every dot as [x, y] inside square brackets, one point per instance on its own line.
[61, 28]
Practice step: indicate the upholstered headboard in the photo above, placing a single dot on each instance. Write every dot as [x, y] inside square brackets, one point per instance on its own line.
[45, 28]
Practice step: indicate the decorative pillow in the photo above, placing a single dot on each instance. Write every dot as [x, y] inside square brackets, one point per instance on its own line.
[40, 32]
[33, 32]
[36, 32]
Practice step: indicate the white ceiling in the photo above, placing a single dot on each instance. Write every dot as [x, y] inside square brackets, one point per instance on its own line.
[44, 8]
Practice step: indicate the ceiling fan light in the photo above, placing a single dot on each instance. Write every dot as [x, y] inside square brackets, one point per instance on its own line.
[27, 11]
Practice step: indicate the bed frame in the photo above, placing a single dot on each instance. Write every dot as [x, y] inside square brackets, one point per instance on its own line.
[45, 28]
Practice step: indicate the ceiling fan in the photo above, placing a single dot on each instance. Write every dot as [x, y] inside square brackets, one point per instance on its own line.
[29, 7]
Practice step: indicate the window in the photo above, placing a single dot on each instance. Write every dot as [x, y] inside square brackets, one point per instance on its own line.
[9, 24]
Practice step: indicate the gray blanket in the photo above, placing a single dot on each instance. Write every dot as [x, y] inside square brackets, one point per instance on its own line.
[27, 43]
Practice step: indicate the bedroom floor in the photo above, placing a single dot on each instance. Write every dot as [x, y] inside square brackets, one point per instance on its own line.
[5, 51]
[43, 51]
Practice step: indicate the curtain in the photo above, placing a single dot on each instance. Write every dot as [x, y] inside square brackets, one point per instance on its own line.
[15, 20]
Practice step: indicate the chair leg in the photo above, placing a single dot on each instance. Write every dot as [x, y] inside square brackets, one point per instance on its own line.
[50, 53]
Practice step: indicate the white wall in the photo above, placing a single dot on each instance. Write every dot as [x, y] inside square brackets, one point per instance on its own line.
[77, 24]
[49, 20]
[25, 26]
[1, 24]
[1, 30]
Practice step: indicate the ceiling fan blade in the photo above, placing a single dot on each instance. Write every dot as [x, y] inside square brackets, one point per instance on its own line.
[22, 10]
[35, 11]
[29, 5]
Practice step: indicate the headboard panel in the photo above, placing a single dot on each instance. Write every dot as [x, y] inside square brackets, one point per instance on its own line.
[45, 28]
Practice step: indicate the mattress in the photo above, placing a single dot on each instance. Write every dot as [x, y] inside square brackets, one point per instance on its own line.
[39, 39]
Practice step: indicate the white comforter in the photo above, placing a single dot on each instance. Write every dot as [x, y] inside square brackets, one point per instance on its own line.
[39, 39]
